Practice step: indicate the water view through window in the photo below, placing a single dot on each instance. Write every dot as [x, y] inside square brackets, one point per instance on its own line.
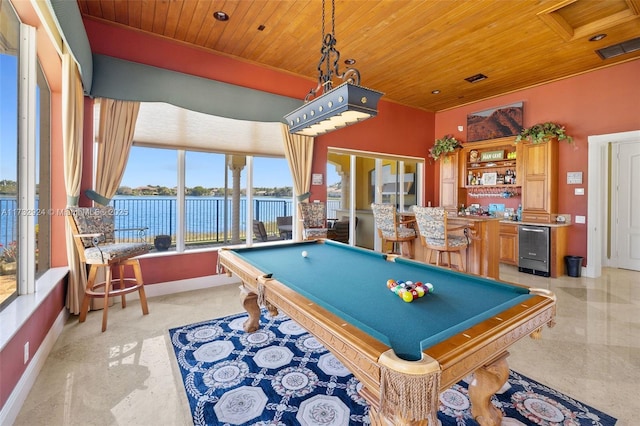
[148, 195]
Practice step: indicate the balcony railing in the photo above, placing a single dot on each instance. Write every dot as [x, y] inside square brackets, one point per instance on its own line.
[207, 219]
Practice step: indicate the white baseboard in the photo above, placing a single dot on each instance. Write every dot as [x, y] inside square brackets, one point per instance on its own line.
[14, 403]
[11, 409]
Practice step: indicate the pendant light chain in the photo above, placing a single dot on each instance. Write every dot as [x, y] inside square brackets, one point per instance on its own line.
[327, 108]
[333, 17]
[330, 58]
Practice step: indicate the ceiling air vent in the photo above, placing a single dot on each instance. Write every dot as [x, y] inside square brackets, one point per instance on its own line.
[476, 78]
[619, 49]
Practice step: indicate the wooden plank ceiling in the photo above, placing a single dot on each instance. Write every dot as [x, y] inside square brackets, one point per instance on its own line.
[404, 48]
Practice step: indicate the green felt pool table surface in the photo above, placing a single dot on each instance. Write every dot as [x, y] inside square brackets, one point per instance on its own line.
[352, 283]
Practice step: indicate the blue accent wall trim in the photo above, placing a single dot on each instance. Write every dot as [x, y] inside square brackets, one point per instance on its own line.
[68, 15]
[116, 78]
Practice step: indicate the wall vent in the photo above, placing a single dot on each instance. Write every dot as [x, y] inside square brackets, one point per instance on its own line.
[619, 49]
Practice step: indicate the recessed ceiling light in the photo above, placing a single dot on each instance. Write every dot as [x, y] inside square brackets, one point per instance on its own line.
[597, 37]
[435, 92]
[221, 16]
[350, 61]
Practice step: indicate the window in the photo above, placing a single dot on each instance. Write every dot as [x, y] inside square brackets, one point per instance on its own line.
[147, 194]
[9, 53]
[24, 160]
[272, 193]
[200, 210]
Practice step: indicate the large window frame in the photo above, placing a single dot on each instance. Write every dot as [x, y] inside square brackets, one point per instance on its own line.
[180, 211]
[31, 214]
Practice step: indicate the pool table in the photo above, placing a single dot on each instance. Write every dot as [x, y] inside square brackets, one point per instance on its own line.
[403, 353]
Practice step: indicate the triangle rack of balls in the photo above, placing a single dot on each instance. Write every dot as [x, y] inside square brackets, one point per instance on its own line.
[408, 290]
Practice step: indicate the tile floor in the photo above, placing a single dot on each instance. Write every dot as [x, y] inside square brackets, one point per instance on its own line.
[128, 375]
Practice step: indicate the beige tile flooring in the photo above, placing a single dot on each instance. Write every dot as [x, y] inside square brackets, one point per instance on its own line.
[128, 375]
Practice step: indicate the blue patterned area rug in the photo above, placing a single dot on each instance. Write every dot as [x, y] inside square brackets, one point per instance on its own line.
[281, 375]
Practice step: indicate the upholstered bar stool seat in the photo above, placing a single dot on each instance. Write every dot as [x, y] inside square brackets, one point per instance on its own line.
[437, 236]
[391, 229]
[94, 237]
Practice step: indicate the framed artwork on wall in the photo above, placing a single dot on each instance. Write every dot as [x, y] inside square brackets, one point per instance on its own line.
[495, 123]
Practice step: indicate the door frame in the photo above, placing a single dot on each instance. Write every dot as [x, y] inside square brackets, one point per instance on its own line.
[597, 212]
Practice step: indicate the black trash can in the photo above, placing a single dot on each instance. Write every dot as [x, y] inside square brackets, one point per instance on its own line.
[574, 265]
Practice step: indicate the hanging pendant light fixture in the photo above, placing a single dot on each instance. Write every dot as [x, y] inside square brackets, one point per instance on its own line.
[327, 108]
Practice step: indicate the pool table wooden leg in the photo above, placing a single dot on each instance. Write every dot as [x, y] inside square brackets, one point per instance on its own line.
[487, 381]
[250, 303]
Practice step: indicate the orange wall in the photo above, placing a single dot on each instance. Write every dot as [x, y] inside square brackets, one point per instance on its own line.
[599, 102]
[33, 331]
[183, 266]
[396, 130]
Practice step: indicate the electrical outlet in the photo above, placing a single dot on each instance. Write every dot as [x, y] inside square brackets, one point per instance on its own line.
[26, 352]
[580, 219]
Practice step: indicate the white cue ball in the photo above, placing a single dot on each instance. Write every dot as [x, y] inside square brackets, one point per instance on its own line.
[304, 253]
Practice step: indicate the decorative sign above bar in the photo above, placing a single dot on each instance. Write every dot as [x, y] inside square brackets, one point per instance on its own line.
[492, 155]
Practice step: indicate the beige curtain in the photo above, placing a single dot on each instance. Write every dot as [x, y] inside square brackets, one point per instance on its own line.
[72, 129]
[115, 136]
[299, 153]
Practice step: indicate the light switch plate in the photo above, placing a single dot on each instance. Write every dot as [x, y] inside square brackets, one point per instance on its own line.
[574, 178]
[579, 191]
[580, 219]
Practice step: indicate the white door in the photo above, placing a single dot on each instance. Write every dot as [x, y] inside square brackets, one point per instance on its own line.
[625, 221]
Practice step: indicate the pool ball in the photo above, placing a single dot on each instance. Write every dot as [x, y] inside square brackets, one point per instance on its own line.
[420, 291]
[304, 253]
[407, 296]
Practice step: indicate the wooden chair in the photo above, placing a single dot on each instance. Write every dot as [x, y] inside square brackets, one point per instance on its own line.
[94, 237]
[314, 220]
[437, 236]
[393, 230]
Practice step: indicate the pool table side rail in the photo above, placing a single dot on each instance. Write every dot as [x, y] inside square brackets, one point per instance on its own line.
[357, 350]
[480, 344]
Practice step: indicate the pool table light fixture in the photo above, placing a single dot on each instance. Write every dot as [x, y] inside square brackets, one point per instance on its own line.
[338, 107]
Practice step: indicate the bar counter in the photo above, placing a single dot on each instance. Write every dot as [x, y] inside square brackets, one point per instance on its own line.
[483, 253]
